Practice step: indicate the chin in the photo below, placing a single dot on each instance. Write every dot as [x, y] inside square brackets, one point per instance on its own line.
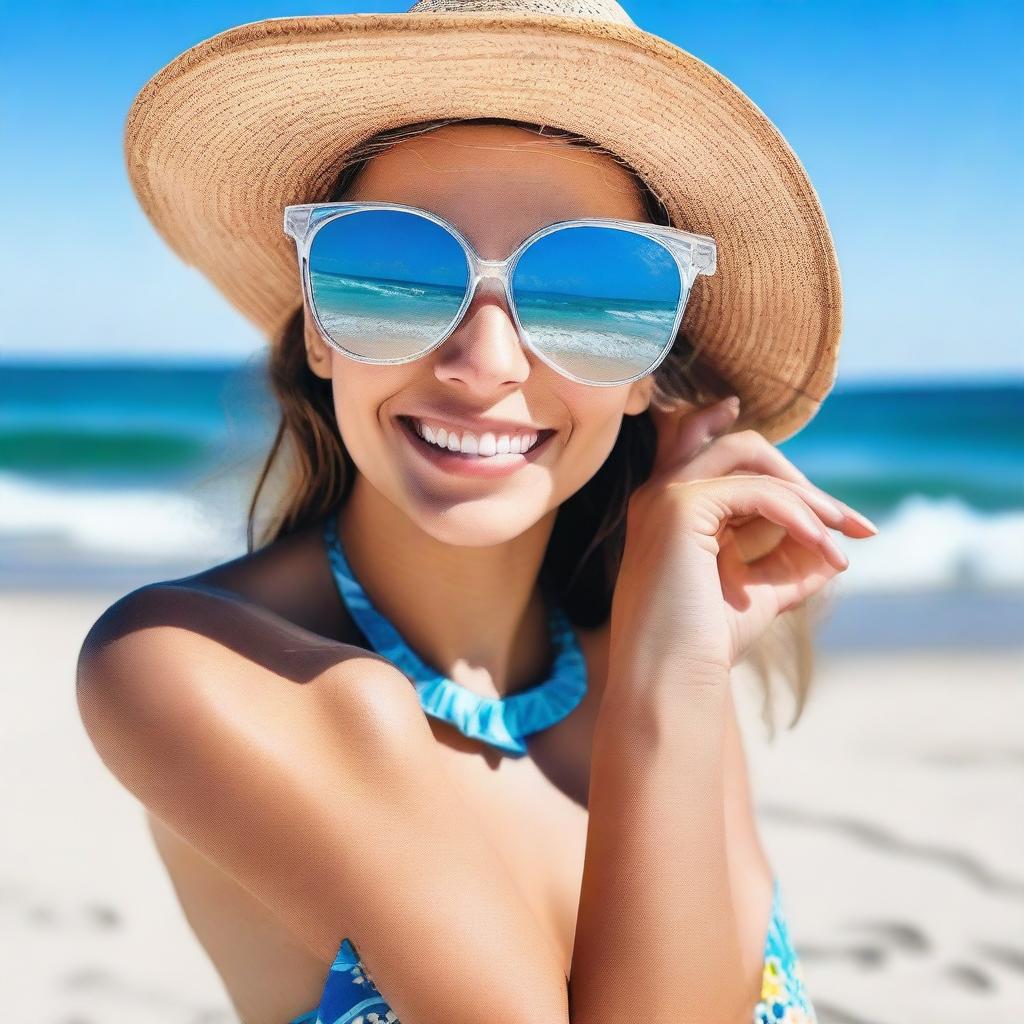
[476, 524]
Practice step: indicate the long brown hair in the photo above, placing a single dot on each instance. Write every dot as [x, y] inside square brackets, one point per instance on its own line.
[583, 555]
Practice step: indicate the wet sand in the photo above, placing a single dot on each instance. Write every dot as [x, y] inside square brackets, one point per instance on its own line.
[893, 814]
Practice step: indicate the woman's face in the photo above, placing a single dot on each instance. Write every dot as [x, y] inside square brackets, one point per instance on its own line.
[497, 184]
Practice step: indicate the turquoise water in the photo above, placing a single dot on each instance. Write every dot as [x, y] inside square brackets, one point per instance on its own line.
[872, 446]
[114, 424]
[944, 461]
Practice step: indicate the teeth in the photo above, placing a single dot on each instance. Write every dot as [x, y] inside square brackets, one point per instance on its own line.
[468, 443]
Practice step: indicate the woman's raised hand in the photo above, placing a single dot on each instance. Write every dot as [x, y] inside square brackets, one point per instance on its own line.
[724, 535]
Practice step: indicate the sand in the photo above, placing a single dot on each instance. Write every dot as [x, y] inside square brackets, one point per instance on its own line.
[893, 814]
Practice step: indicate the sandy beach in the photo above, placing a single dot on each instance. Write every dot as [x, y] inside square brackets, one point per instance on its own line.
[893, 814]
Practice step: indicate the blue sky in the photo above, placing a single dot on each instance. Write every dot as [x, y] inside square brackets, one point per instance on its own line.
[908, 116]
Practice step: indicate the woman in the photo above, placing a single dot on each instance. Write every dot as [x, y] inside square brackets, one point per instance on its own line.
[535, 505]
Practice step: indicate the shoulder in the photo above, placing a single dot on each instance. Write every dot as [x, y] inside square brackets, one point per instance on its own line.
[201, 705]
[179, 648]
[275, 610]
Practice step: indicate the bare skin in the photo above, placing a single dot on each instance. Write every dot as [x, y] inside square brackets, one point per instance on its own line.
[267, 967]
[296, 791]
[547, 788]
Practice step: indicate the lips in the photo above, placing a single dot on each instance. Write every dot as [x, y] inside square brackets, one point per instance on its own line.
[415, 424]
[459, 425]
[471, 465]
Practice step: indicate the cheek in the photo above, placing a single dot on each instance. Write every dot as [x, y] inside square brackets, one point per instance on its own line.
[596, 412]
[359, 391]
[596, 420]
[594, 444]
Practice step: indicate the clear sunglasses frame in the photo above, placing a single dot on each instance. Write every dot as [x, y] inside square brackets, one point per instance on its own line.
[693, 255]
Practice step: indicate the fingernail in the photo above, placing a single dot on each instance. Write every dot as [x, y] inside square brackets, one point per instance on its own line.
[733, 401]
[862, 519]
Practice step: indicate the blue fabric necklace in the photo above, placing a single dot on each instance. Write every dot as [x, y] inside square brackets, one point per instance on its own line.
[501, 722]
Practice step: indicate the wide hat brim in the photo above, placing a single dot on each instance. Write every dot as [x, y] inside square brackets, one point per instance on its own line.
[220, 140]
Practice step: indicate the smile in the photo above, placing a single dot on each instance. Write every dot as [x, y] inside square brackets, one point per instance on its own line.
[494, 455]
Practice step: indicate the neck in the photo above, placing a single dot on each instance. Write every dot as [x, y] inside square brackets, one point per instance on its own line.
[473, 613]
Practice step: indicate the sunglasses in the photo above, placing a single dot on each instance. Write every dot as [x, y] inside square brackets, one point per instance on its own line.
[599, 300]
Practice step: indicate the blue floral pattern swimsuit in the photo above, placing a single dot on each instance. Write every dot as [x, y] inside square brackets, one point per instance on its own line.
[349, 995]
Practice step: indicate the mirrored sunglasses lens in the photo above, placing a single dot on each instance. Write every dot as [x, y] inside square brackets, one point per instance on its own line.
[386, 284]
[598, 302]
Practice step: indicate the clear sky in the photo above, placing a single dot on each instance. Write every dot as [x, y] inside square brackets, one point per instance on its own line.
[908, 115]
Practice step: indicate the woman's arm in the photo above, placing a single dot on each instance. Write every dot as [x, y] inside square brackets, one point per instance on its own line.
[657, 927]
[309, 773]
[721, 538]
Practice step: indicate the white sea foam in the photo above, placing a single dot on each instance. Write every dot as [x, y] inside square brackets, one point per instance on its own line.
[658, 318]
[931, 544]
[120, 524]
[923, 544]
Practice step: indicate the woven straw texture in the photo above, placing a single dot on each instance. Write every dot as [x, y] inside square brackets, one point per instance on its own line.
[220, 140]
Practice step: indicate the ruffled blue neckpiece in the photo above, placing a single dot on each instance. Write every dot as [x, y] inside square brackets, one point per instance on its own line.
[502, 722]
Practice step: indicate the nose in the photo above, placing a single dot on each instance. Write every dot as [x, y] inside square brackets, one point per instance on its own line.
[484, 354]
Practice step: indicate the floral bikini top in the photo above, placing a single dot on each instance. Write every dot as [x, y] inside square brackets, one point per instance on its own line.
[349, 995]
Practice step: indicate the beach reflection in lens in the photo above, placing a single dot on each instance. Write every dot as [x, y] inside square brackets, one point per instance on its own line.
[599, 302]
[386, 284]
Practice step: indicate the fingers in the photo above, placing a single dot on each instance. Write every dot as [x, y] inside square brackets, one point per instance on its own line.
[791, 571]
[755, 539]
[750, 451]
[828, 510]
[701, 439]
[789, 505]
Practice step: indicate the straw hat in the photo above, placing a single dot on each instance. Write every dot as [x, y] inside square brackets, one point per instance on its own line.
[240, 125]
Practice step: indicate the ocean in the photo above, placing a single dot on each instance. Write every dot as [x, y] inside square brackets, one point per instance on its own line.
[147, 468]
